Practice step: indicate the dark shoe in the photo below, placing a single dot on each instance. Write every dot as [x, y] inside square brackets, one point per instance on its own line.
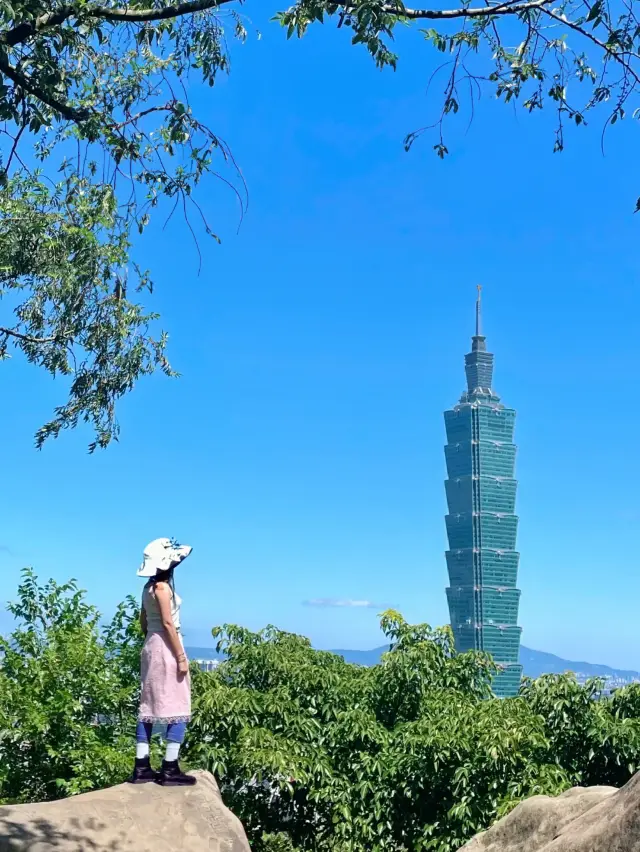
[172, 776]
[142, 772]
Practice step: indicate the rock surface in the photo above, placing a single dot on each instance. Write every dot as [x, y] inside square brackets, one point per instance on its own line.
[587, 819]
[128, 818]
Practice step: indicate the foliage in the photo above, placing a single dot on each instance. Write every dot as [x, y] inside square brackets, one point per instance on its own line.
[97, 132]
[60, 672]
[97, 96]
[409, 754]
[596, 741]
[312, 753]
[572, 57]
[280, 842]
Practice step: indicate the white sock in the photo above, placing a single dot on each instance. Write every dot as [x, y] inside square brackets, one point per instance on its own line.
[173, 750]
[142, 750]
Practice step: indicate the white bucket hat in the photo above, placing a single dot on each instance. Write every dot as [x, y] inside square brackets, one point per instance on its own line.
[162, 554]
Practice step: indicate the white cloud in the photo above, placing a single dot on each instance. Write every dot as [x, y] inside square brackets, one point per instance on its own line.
[343, 602]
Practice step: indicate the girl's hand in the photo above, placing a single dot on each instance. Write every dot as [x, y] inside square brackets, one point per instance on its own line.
[183, 666]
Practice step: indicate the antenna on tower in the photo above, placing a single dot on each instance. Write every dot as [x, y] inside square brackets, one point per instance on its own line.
[479, 312]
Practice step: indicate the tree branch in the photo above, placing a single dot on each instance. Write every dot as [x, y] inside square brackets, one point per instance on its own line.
[506, 8]
[24, 31]
[607, 50]
[133, 118]
[26, 83]
[16, 140]
[163, 13]
[27, 338]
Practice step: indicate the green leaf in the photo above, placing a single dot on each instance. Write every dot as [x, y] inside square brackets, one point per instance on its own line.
[595, 11]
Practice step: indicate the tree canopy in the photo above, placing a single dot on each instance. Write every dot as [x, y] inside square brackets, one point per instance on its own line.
[98, 93]
[97, 131]
[311, 753]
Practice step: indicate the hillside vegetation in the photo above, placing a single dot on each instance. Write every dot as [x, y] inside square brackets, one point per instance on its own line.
[311, 752]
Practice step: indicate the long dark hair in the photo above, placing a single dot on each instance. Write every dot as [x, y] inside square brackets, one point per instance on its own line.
[164, 577]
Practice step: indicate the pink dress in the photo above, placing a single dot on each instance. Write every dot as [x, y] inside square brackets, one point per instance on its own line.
[166, 696]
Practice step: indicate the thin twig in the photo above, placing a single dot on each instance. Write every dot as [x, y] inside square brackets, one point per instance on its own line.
[594, 39]
[14, 147]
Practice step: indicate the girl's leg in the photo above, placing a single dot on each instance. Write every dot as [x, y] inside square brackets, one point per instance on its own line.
[143, 739]
[171, 774]
[176, 732]
[142, 771]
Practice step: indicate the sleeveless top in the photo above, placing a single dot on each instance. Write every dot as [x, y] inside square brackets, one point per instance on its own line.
[152, 610]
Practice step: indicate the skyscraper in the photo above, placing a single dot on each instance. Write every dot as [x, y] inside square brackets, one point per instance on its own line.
[481, 525]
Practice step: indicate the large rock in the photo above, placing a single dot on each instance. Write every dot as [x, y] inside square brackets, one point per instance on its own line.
[588, 819]
[141, 818]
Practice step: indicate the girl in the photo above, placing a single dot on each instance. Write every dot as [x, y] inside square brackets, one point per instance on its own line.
[166, 686]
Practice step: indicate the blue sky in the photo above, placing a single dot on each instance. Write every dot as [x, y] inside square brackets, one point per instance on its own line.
[301, 454]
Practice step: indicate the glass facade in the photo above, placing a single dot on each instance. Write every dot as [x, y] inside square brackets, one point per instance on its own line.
[482, 561]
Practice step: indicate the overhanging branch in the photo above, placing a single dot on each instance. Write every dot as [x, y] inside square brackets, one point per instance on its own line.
[163, 13]
[26, 338]
[27, 84]
[620, 59]
[24, 31]
[508, 8]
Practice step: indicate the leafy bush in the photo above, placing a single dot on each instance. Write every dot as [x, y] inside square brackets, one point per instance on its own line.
[60, 675]
[409, 754]
[312, 753]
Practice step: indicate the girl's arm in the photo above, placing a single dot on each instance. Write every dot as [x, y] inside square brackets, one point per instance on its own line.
[143, 621]
[163, 596]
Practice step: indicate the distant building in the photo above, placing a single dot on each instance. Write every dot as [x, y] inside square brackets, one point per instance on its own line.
[207, 665]
[481, 525]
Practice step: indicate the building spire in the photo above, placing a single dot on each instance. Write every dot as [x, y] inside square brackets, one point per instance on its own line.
[478, 339]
